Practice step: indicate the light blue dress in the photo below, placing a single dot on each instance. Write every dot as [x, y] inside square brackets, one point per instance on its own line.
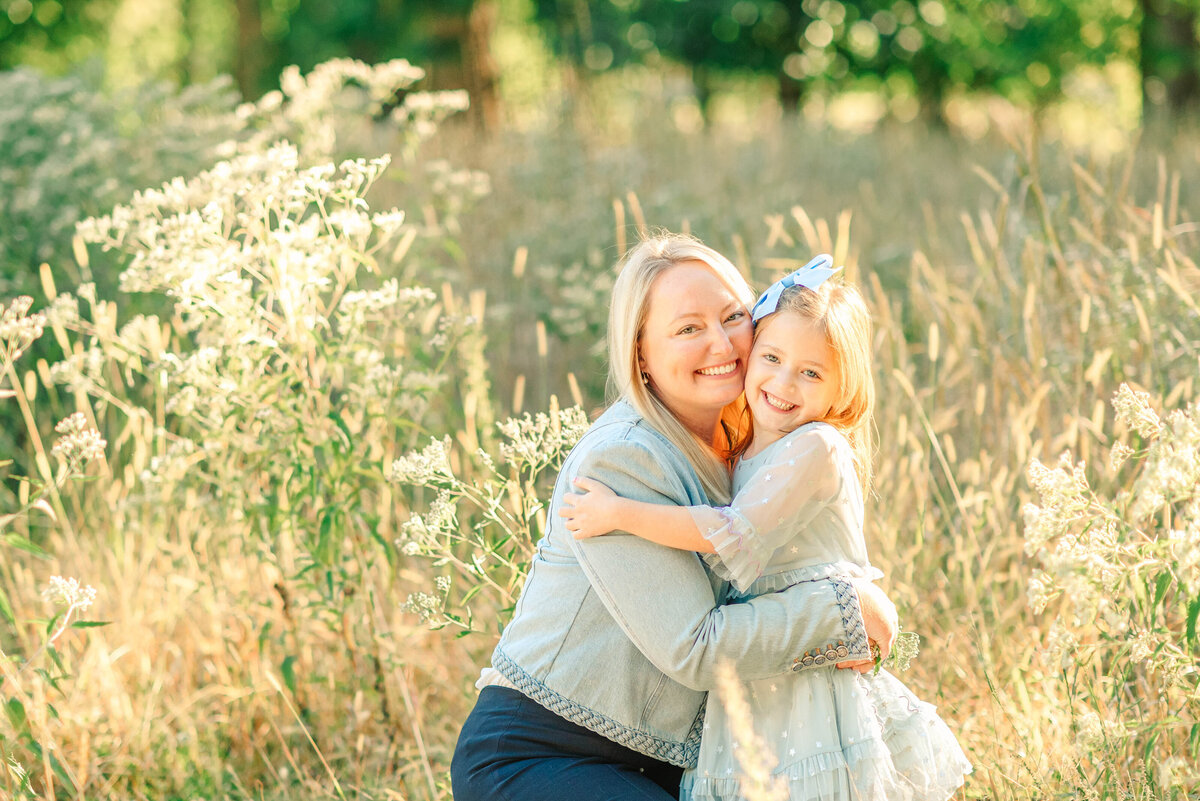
[797, 516]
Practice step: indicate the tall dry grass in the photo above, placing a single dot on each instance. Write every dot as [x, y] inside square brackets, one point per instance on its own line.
[275, 650]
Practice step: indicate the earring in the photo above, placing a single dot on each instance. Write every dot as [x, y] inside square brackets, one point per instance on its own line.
[645, 377]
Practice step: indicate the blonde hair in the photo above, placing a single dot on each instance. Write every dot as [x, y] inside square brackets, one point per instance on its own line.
[842, 315]
[627, 318]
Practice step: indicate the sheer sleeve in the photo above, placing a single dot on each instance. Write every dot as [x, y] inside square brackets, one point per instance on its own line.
[800, 477]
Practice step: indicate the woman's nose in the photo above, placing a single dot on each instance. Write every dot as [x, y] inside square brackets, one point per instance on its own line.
[720, 342]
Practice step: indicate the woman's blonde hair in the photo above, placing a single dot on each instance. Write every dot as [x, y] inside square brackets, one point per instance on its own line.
[842, 315]
[626, 319]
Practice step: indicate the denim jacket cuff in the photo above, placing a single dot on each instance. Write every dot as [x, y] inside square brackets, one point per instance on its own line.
[853, 647]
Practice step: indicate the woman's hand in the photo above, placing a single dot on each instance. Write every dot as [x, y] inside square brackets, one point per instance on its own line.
[592, 513]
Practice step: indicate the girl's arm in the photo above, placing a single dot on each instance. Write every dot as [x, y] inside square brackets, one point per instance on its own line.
[778, 502]
[600, 511]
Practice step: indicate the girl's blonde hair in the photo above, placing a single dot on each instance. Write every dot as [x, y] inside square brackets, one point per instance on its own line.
[626, 319]
[842, 315]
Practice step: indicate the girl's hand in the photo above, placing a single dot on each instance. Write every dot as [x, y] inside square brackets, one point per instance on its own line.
[592, 513]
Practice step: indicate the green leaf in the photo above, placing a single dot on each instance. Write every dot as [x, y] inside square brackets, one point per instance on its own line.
[22, 544]
[62, 774]
[1193, 611]
[337, 419]
[288, 669]
[6, 609]
[16, 713]
[90, 624]
[1160, 587]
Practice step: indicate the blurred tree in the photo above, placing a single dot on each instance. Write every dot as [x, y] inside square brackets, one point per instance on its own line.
[1169, 57]
[451, 38]
[51, 34]
[930, 48]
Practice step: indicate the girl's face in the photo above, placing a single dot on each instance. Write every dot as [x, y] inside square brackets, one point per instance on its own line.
[694, 345]
[791, 379]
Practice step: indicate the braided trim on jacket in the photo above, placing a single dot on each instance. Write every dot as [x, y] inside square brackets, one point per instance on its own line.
[852, 622]
[682, 755]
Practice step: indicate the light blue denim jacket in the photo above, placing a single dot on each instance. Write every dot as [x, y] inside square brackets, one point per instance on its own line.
[622, 636]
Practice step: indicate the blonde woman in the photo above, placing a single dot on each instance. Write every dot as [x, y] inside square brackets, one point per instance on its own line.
[797, 517]
[596, 688]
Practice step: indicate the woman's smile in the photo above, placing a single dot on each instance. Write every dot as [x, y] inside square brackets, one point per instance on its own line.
[694, 345]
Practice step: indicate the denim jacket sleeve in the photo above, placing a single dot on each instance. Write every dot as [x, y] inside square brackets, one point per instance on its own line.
[663, 600]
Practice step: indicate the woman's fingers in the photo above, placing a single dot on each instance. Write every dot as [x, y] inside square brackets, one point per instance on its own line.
[860, 665]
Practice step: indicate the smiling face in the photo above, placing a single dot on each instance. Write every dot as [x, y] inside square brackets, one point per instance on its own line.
[791, 378]
[694, 345]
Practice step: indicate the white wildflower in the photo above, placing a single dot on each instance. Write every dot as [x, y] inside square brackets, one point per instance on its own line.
[18, 328]
[69, 593]
[430, 465]
[80, 444]
[1119, 454]
[1133, 408]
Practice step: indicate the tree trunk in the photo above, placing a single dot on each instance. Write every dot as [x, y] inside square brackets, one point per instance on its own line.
[250, 58]
[1169, 58]
[481, 73]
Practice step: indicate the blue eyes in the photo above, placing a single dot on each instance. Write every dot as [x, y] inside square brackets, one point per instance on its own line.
[691, 329]
[771, 358]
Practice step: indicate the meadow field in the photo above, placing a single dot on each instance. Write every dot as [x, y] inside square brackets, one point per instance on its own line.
[288, 419]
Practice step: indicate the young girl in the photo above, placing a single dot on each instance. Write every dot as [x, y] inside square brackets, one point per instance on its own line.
[798, 516]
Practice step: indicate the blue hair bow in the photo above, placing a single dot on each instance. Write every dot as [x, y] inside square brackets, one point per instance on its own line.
[811, 276]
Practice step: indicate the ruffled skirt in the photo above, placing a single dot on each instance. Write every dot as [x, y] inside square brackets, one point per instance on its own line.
[839, 736]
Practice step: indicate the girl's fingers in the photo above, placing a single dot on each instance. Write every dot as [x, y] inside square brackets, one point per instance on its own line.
[586, 484]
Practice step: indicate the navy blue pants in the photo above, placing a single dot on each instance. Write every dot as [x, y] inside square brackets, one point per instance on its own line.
[513, 749]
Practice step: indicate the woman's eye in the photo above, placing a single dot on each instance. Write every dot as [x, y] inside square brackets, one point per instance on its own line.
[687, 329]
[737, 315]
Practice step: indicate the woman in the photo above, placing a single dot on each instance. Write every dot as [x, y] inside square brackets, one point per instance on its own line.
[597, 685]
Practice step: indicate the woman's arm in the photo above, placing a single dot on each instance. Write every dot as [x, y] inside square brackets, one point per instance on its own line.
[781, 498]
[663, 599]
[598, 510]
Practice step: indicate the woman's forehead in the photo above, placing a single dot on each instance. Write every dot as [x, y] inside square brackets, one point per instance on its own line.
[689, 287]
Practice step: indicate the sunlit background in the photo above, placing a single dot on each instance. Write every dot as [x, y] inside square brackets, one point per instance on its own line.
[296, 441]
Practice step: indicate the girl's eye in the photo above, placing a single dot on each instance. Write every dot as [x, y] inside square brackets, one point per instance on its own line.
[771, 357]
[812, 374]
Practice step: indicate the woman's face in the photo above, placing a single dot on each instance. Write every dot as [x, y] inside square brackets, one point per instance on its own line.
[694, 345]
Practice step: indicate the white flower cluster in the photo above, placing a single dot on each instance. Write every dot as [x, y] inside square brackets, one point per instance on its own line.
[420, 112]
[80, 444]
[299, 111]
[1133, 408]
[69, 593]
[19, 328]
[424, 605]
[538, 440]
[1171, 474]
[429, 466]
[420, 533]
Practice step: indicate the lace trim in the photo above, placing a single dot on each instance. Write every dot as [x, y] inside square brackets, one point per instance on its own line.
[738, 558]
[681, 755]
[860, 773]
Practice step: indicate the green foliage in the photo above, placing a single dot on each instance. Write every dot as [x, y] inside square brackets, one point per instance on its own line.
[927, 49]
